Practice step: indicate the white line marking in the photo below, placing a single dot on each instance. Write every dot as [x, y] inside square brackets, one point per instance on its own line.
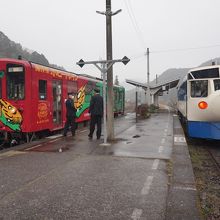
[179, 139]
[83, 131]
[155, 164]
[136, 214]
[163, 140]
[34, 147]
[160, 149]
[54, 136]
[147, 185]
[53, 141]
[185, 188]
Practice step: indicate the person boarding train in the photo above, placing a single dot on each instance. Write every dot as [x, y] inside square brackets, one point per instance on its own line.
[70, 115]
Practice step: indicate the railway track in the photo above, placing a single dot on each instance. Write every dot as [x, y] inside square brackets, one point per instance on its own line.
[205, 157]
[210, 146]
[215, 155]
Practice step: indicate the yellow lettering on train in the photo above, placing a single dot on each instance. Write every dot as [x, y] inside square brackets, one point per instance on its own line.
[54, 73]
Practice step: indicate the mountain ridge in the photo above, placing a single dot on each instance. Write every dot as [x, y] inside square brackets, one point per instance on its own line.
[11, 49]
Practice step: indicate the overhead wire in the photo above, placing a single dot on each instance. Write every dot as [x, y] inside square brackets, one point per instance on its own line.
[134, 22]
[143, 54]
[142, 41]
[185, 49]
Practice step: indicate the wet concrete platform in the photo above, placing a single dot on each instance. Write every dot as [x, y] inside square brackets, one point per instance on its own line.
[145, 173]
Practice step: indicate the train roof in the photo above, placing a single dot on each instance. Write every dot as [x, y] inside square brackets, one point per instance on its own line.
[27, 62]
[204, 67]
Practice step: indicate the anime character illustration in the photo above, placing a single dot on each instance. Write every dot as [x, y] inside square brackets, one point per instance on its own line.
[10, 116]
[82, 98]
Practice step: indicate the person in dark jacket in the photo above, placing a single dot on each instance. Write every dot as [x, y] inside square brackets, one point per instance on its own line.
[96, 113]
[70, 115]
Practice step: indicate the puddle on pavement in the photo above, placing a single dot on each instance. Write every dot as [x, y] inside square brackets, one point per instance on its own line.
[49, 147]
[136, 136]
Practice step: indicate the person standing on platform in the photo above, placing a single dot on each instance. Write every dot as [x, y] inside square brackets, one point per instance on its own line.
[70, 115]
[96, 113]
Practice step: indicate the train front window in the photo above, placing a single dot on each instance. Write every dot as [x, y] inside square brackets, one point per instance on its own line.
[15, 82]
[199, 88]
[217, 84]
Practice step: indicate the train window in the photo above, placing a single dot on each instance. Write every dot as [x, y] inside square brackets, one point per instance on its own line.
[118, 96]
[115, 95]
[90, 86]
[42, 89]
[15, 82]
[217, 84]
[121, 95]
[199, 88]
[182, 92]
[72, 87]
[206, 73]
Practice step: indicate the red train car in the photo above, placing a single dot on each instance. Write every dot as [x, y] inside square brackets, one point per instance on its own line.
[32, 98]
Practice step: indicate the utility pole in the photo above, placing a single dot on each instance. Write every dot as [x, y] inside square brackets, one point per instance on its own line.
[105, 65]
[148, 77]
[110, 102]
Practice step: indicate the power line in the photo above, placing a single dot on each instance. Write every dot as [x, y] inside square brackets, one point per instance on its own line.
[143, 54]
[134, 22]
[185, 49]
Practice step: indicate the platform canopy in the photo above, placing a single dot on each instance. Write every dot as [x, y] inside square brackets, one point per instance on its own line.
[154, 88]
[137, 84]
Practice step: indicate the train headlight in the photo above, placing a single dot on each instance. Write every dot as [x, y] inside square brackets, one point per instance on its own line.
[203, 105]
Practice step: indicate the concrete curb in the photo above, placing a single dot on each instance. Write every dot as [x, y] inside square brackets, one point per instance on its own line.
[182, 195]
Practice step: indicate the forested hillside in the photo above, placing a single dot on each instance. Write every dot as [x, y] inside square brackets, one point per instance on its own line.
[10, 49]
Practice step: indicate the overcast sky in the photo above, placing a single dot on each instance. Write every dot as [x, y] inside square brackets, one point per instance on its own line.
[68, 30]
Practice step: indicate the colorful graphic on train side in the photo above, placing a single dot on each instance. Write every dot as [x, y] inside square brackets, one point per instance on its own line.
[10, 116]
[82, 98]
[42, 113]
[79, 101]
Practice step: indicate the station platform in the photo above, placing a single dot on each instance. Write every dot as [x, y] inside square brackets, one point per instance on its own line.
[146, 173]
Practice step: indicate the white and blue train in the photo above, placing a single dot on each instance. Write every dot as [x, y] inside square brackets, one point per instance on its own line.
[199, 102]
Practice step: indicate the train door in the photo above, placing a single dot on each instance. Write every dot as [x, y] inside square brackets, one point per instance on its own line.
[57, 103]
[122, 101]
